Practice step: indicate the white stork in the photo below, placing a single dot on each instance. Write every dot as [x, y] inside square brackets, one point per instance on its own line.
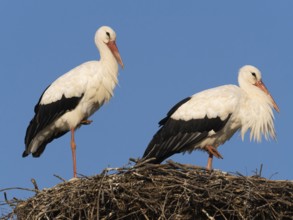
[72, 98]
[211, 117]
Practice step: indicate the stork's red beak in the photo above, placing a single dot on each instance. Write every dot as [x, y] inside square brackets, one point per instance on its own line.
[262, 86]
[113, 47]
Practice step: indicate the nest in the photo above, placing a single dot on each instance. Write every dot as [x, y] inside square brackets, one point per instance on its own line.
[160, 191]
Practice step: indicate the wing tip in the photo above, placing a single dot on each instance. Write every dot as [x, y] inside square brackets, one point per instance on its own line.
[150, 157]
[25, 154]
[150, 160]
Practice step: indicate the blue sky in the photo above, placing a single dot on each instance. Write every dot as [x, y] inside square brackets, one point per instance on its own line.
[170, 50]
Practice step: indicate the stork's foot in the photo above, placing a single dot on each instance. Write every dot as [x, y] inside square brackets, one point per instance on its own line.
[86, 122]
[213, 151]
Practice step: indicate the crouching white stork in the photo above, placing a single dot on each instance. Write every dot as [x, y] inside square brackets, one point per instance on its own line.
[70, 100]
[211, 117]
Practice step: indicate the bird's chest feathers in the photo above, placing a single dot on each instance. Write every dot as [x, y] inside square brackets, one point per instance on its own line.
[257, 116]
[99, 90]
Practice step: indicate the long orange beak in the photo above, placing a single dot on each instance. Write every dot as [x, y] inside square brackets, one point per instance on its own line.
[262, 86]
[113, 47]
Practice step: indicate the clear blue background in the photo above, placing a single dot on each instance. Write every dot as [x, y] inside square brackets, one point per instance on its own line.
[171, 49]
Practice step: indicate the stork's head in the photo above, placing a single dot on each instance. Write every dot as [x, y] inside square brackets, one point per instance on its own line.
[107, 36]
[249, 78]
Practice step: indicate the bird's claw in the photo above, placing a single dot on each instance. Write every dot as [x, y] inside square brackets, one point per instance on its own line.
[213, 151]
[86, 122]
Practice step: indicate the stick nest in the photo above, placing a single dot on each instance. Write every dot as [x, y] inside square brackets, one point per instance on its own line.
[161, 191]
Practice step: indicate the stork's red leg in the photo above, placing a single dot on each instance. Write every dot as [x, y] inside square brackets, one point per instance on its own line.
[210, 162]
[73, 149]
[212, 152]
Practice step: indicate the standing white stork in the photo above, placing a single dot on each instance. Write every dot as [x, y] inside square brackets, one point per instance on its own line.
[71, 99]
[211, 117]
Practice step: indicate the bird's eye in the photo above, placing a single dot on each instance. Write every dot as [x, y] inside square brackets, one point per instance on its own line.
[253, 74]
[108, 34]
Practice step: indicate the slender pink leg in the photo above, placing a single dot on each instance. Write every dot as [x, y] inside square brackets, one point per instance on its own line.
[73, 149]
[212, 152]
[210, 162]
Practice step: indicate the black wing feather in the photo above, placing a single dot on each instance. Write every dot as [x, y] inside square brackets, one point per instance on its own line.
[42, 147]
[176, 136]
[44, 116]
[172, 110]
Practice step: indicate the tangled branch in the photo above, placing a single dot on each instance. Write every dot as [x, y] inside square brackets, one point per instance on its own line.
[160, 191]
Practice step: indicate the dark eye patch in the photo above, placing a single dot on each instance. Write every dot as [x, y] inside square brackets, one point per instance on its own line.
[254, 75]
[108, 34]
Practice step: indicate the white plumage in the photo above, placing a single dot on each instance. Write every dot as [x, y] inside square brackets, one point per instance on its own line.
[211, 117]
[70, 100]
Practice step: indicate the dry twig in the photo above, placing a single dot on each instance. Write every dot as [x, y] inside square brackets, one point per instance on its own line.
[166, 191]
